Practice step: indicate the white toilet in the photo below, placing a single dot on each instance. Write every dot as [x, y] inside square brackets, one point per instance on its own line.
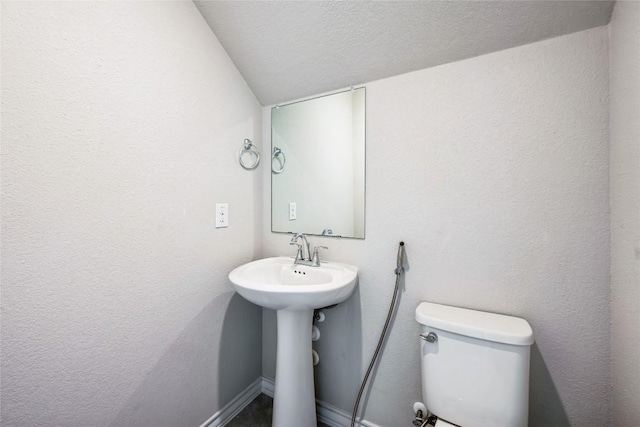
[475, 366]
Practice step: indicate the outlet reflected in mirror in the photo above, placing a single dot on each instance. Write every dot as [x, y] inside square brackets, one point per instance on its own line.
[318, 166]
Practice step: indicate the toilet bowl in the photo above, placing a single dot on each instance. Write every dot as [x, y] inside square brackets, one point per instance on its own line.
[475, 366]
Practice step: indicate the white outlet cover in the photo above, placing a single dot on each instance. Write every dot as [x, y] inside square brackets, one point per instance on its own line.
[222, 215]
[292, 211]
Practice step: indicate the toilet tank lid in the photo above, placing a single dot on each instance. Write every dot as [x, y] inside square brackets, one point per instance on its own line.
[477, 324]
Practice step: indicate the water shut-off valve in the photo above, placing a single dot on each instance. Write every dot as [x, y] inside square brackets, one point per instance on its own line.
[421, 416]
[419, 412]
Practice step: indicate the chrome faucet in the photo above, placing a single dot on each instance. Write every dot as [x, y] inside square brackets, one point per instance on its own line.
[327, 232]
[304, 256]
[300, 256]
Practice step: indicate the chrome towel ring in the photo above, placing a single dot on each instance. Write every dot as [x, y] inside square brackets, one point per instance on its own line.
[279, 156]
[252, 151]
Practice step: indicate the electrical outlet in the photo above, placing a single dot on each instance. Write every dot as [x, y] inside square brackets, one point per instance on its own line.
[222, 215]
[292, 211]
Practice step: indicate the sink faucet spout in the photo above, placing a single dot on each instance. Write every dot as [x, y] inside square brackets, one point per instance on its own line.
[304, 254]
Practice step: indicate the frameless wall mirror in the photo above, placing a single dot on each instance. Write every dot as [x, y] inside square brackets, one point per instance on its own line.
[318, 165]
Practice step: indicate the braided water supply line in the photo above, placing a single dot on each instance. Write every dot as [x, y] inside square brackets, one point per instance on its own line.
[398, 271]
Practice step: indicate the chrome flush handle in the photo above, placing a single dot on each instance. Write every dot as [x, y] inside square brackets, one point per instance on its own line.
[430, 337]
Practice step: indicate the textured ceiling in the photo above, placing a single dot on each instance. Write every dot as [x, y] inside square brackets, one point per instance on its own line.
[292, 49]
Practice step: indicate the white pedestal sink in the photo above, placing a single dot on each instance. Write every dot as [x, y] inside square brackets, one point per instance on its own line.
[294, 291]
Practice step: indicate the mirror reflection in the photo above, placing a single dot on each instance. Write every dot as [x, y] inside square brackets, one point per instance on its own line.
[318, 165]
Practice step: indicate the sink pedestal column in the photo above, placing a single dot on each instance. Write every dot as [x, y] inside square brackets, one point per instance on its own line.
[294, 400]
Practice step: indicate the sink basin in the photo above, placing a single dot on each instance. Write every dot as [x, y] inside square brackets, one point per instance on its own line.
[279, 284]
[294, 291]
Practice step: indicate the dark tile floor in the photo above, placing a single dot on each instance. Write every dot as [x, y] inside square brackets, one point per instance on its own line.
[257, 414]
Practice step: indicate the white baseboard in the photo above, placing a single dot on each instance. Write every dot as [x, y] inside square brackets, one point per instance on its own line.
[233, 408]
[328, 414]
[268, 386]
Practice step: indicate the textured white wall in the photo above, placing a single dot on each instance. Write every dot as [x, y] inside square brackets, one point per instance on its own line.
[494, 171]
[121, 123]
[625, 212]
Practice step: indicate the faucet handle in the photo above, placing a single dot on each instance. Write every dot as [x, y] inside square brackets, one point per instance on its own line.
[315, 259]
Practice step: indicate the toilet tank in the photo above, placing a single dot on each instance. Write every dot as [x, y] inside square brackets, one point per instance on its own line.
[477, 372]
